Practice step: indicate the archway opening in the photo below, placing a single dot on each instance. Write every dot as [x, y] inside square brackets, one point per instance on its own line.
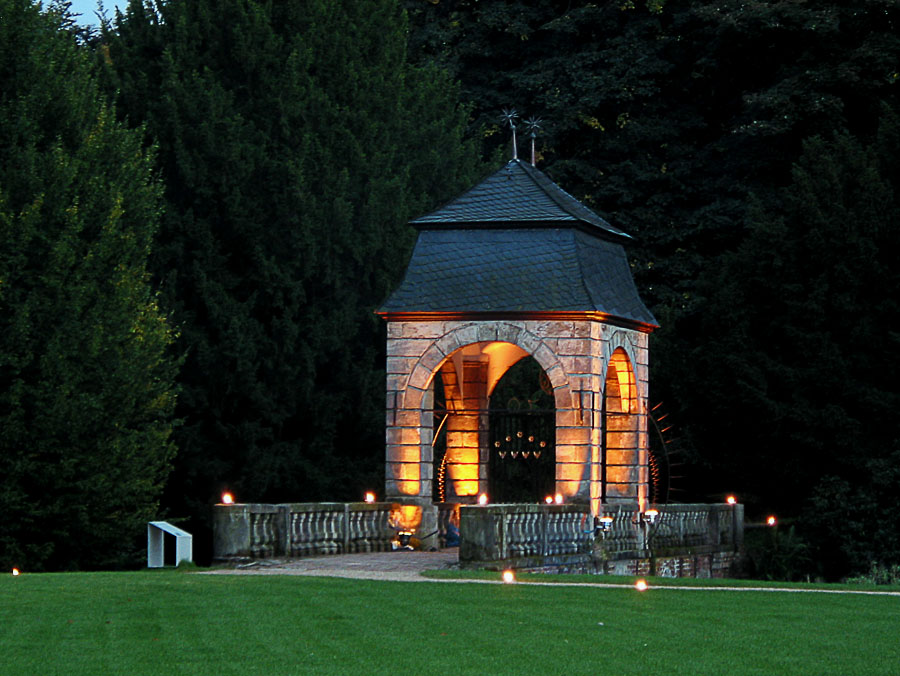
[522, 436]
[620, 469]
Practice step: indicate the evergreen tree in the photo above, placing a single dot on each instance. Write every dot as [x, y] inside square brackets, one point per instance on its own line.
[804, 360]
[295, 142]
[86, 383]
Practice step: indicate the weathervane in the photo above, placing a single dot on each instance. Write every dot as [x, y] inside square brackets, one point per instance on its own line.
[509, 116]
[534, 123]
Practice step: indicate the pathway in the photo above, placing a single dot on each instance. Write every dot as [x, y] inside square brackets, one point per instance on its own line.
[406, 566]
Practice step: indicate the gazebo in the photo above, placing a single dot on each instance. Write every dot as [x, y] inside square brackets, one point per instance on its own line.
[517, 267]
[514, 268]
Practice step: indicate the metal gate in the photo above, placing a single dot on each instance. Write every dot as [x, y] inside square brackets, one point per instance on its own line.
[522, 463]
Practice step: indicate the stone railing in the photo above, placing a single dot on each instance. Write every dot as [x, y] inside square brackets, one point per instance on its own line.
[521, 534]
[682, 526]
[562, 537]
[301, 529]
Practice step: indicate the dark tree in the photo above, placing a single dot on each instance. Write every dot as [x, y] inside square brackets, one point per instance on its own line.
[86, 381]
[295, 142]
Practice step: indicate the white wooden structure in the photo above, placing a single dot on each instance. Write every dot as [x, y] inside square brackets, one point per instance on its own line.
[156, 532]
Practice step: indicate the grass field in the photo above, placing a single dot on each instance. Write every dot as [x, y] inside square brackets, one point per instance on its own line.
[170, 622]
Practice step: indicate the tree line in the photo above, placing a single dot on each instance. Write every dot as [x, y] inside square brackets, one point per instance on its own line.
[202, 202]
[751, 150]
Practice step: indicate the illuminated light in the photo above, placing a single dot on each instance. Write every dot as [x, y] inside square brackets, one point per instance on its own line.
[771, 521]
[405, 518]
[651, 515]
[370, 497]
[227, 498]
[641, 585]
[731, 500]
[606, 523]
[558, 498]
[482, 499]
[509, 576]
[15, 572]
[549, 499]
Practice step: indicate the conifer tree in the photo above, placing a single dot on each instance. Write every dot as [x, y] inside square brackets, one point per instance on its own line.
[86, 381]
[295, 143]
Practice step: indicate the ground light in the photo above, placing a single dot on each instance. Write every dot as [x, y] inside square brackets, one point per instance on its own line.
[15, 572]
[227, 498]
[641, 585]
[509, 576]
[771, 521]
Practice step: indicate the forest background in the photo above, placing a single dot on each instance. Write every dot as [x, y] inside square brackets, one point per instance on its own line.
[256, 163]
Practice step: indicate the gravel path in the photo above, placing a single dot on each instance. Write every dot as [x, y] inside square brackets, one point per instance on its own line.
[401, 566]
[408, 566]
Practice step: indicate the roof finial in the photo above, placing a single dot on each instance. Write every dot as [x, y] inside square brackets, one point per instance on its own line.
[534, 123]
[509, 116]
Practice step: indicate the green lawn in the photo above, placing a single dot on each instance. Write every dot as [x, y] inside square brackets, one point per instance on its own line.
[168, 622]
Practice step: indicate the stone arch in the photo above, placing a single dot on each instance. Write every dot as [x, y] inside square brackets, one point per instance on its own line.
[424, 370]
[622, 474]
[574, 352]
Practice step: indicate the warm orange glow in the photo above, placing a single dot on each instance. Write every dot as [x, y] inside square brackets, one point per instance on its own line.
[407, 471]
[227, 498]
[370, 497]
[651, 515]
[607, 520]
[731, 500]
[641, 585]
[15, 571]
[558, 498]
[482, 499]
[509, 576]
[462, 465]
[624, 374]
[549, 499]
[771, 521]
[405, 517]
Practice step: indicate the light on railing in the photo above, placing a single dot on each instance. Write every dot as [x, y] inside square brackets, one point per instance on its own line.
[558, 498]
[482, 499]
[549, 499]
[771, 521]
[509, 576]
[604, 525]
[370, 497]
[649, 517]
[227, 498]
[731, 500]
[641, 585]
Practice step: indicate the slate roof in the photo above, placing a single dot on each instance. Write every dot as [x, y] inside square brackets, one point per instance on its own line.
[518, 193]
[530, 270]
[516, 242]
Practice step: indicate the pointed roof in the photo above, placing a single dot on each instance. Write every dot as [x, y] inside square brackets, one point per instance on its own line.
[522, 195]
[518, 244]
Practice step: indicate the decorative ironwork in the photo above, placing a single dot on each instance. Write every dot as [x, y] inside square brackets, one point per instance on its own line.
[522, 460]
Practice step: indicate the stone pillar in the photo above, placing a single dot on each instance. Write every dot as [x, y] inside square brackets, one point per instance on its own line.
[466, 429]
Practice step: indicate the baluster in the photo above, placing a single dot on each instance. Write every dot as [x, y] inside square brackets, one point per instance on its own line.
[293, 543]
[514, 531]
[534, 533]
[254, 537]
[337, 543]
